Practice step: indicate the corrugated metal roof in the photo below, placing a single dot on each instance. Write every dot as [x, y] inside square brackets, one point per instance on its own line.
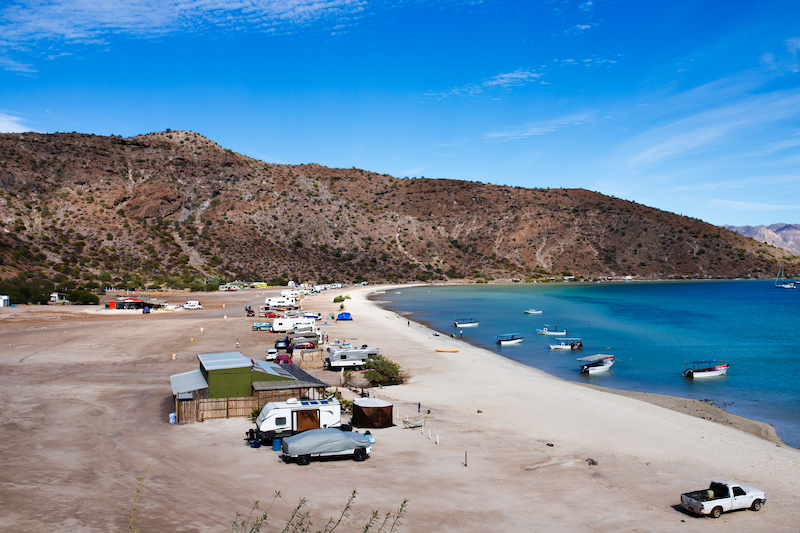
[188, 382]
[223, 360]
[274, 369]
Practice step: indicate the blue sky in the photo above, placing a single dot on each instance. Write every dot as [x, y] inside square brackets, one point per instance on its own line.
[688, 106]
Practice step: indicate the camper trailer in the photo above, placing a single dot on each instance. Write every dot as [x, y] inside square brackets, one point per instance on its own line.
[350, 357]
[281, 303]
[288, 324]
[282, 419]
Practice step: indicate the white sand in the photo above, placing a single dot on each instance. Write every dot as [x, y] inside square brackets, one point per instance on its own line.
[80, 423]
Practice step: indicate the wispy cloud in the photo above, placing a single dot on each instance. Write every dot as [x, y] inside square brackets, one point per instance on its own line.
[92, 21]
[15, 66]
[516, 78]
[12, 124]
[535, 129]
[751, 206]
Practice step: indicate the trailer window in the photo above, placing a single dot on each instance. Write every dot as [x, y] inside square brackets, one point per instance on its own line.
[280, 421]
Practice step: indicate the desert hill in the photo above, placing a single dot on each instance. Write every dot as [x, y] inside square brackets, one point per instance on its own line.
[172, 208]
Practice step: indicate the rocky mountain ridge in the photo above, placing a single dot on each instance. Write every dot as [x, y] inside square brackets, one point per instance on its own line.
[174, 207]
[785, 236]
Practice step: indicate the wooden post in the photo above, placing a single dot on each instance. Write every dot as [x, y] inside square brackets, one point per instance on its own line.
[465, 458]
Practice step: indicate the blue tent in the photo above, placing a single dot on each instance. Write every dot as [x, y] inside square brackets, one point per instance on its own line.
[344, 316]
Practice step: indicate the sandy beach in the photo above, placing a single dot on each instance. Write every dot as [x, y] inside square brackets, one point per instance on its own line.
[86, 397]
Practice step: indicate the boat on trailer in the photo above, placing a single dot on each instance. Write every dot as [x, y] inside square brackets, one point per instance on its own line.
[507, 339]
[705, 369]
[567, 344]
[594, 364]
[466, 323]
[552, 330]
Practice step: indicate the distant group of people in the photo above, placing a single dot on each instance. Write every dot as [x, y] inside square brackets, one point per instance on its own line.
[576, 345]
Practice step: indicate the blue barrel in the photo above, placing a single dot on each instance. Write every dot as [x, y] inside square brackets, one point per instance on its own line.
[276, 445]
[173, 418]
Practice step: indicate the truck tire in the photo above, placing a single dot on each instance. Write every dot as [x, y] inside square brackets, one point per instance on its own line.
[756, 505]
[303, 460]
[360, 454]
[716, 512]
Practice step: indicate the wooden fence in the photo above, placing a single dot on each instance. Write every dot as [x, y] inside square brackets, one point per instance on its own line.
[208, 408]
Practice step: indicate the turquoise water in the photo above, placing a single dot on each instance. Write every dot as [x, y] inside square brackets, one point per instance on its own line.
[650, 328]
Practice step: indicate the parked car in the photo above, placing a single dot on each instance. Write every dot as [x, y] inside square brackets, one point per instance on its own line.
[272, 354]
[282, 344]
[327, 442]
[284, 359]
[270, 314]
[723, 496]
[304, 346]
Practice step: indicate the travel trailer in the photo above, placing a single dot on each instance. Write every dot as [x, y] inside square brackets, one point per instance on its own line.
[282, 419]
[350, 357]
[280, 325]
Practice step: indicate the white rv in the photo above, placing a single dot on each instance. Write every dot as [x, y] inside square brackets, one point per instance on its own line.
[350, 357]
[282, 419]
[287, 324]
[281, 303]
[192, 304]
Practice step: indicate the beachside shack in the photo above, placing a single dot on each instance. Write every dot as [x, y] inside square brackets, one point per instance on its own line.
[228, 384]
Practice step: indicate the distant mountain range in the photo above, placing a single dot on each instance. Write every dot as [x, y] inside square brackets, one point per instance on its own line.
[786, 236]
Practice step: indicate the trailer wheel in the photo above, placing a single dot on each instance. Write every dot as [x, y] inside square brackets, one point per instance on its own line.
[303, 460]
[360, 454]
[716, 512]
[756, 505]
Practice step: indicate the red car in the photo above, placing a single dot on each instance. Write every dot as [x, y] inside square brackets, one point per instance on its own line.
[304, 346]
[270, 314]
[284, 359]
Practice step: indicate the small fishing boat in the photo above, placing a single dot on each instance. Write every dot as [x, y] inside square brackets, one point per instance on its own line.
[466, 323]
[552, 330]
[533, 312]
[449, 351]
[567, 344]
[705, 369]
[594, 364]
[507, 339]
[780, 280]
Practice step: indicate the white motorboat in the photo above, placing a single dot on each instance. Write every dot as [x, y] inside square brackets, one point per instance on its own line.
[466, 323]
[705, 369]
[594, 364]
[552, 330]
[533, 312]
[780, 280]
[509, 338]
[567, 344]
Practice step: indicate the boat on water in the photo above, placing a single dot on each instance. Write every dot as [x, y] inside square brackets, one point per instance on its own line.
[594, 364]
[552, 330]
[507, 339]
[466, 323]
[705, 369]
[780, 280]
[533, 312]
[567, 344]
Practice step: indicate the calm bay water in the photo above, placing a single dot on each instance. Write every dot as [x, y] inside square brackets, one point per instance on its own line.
[651, 328]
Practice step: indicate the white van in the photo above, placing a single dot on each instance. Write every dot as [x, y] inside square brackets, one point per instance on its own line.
[192, 304]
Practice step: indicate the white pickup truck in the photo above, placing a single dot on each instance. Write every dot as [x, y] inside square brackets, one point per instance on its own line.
[723, 496]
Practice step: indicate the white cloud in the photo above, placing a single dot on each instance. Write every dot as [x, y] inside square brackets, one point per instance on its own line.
[535, 129]
[91, 21]
[586, 6]
[751, 206]
[516, 78]
[15, 66]
[11, 124]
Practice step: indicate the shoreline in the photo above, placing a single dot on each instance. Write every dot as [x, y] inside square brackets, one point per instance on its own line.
[690, 406]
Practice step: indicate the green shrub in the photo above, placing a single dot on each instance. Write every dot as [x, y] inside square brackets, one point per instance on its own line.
[382, 371]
